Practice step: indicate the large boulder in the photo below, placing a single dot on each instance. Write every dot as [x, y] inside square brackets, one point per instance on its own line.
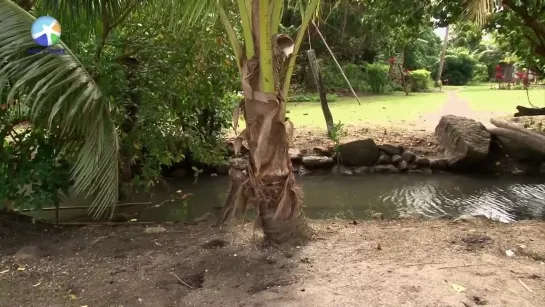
[359, 153]
[518, 150]
[466, 141]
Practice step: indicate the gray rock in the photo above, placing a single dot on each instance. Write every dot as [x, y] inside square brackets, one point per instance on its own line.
[425, 162]
[303, 171]
[359, 153]
[295, 154]
[391, 149]
[323, 151]
[408, 156]
[377, 216]
[519, 151]
[468, 218]
[384, 159]
[465, 140]
[361, 170]
[442, 164]
[386, 169]
[223, 168]
[402, 165]
[239, 163]
[412, 216]
[396, 159]
[28, 252]
[342, 170]
[317, 161]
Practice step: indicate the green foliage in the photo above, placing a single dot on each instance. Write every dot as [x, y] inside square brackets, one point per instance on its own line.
[377, 77]
[333, 78]
[424, 52]
[458, 68]
[480, 73]
[162, 116]
[32, 172]
[419, 80]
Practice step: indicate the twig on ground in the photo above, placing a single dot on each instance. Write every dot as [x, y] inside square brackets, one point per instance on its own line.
[183, 282]
[525, 286]
[461, 266]
[424, 263]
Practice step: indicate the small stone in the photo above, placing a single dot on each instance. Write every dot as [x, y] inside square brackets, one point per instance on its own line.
[323, 151]
[303, 171]
[396, 159]
[386, 169]
[223, 168]
[385, 159]
[408, 156]
[342, 170]
[402, 165]
[377, 216]
[361, 170]
[390, 149]
[295, 154]
[305, 260]
[425, 162]
[442, 164]
[518, 172]
[157, 229]
[317, 161]
[28, 252]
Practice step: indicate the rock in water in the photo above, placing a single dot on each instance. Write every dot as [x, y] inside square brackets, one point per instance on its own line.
[466, 141]
[295, 154]
[359, 153]
[317, 161]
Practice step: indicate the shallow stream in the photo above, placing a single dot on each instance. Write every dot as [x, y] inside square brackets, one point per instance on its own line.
[502, 199]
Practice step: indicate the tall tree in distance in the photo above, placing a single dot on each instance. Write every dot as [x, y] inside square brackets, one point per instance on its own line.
[442, 58]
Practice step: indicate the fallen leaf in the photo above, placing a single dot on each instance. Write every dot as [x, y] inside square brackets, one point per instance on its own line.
[458, 288]
[73, 296]
[21, 269]
[132, 220]
[37, 284]
[4, 271]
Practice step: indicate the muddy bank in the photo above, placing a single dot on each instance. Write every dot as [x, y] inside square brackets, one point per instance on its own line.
[375, 263]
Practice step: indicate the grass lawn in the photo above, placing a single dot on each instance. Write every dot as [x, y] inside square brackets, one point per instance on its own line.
[379, 109]
[482, 98]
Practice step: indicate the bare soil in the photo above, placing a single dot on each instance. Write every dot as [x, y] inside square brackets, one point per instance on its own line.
[365, 263]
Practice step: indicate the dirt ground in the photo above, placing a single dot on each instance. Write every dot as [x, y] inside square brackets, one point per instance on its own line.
[349, 263]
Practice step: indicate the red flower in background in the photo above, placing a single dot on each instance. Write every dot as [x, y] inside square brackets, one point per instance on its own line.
[392, 60]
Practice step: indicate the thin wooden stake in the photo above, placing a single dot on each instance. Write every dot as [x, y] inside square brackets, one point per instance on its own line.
[182, 281]
[525, 286]
[334, 59]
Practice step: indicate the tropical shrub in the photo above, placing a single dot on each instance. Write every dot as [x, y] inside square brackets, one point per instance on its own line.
[377, 77]
[419, 80]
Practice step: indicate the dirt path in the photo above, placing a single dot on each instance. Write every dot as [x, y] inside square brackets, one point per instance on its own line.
[454, 105]
[389, 263]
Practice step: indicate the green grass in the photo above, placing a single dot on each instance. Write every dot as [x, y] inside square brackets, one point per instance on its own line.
[483, 98]
[379, 109]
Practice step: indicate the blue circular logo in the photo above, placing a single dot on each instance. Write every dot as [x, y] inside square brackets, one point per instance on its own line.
[46, 31]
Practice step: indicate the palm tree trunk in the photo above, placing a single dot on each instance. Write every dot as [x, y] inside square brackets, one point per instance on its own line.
[442, 59]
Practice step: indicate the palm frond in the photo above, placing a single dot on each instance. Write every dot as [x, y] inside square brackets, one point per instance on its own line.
[477, 10]
[62, 97]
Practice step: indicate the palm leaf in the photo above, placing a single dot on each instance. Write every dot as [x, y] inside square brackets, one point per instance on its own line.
[477, 10]
[62, 97]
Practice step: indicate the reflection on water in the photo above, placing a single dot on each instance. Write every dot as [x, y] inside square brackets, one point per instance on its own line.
[503, 199]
